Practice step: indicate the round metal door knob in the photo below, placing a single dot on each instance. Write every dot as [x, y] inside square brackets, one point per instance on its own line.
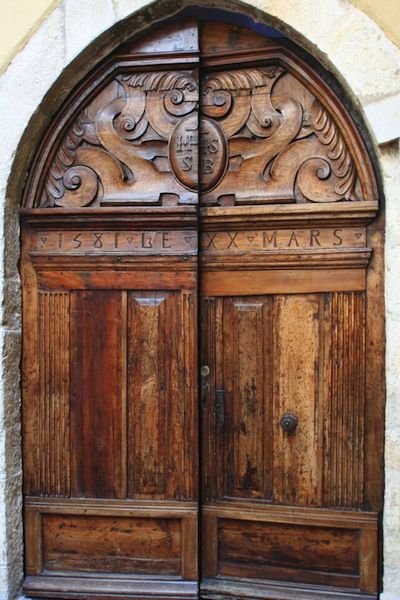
[205, 371]
[289, 422]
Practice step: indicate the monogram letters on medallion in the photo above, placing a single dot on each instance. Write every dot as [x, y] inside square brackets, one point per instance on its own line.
[191, 164]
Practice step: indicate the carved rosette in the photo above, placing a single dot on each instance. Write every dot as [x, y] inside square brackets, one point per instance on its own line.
[261, 137]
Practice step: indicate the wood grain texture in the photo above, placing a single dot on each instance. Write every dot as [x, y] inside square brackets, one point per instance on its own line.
[290, 544]
[148, 394]
[225, 589]
[160, 396]
[54, 347]
[375, 380]
[286, 552]
[111, 545]
[249, 190]
[103, 538]
[239, 453]
[289, 281]
[270, 355]
[117, 588]
[344, 427]
[297, 349]
[247, 373]
[96, 425]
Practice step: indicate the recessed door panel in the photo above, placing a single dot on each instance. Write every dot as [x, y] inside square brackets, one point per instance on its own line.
[161, 397]
[98, 337]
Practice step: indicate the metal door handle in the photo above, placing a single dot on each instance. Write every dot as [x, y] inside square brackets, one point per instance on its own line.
[204, 384]
[220, 406]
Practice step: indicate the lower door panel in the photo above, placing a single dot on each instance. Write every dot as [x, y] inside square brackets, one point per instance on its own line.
[255, 551]
[97, 549]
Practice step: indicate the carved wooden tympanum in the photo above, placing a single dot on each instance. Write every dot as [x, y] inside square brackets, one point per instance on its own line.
[205, 188]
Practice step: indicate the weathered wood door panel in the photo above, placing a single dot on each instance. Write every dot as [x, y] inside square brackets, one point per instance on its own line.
[110, 352]
[284, 425]
[114, 487]
[272, 356]
[206, 190]
[287, 510]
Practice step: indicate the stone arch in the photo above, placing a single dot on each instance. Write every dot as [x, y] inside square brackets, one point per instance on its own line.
[362, 85]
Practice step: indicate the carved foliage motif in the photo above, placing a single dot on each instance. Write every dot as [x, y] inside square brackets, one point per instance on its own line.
[264, 138]
[283, 145]
[117, 151]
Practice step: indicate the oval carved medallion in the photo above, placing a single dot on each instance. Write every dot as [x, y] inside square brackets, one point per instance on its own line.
[184, 153]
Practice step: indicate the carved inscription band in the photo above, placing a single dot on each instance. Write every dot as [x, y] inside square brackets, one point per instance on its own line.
[187, 241]
[283, 239]
[148, 242]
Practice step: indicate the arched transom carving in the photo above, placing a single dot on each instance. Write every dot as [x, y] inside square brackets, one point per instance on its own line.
[270, 133]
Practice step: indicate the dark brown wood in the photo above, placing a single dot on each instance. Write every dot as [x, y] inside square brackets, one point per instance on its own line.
[284, 299]
[292, 544]
[110, 398]
[202, 164]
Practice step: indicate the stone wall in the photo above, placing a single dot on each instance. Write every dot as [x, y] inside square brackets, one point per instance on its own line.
[59, 53]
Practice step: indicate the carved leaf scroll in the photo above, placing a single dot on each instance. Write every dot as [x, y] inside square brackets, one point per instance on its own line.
[117, 150]
[264, 138]
[283, 146]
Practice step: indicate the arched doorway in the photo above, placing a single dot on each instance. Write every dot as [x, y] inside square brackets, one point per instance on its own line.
[204, 188]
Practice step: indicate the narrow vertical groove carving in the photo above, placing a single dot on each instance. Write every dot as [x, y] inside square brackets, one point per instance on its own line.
[124, 392]
[54, 393]
[344, 463]
[189, 401]
[209, 439]
[217, 311]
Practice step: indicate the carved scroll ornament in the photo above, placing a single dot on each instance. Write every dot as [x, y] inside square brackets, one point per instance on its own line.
[117, 152]
[283, 145]
[264, 138]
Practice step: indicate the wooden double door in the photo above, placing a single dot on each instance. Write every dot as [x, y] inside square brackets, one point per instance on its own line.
[200, 380]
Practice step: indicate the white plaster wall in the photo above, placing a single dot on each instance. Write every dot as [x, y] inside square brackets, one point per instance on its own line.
[390, 164]
[366, 63]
